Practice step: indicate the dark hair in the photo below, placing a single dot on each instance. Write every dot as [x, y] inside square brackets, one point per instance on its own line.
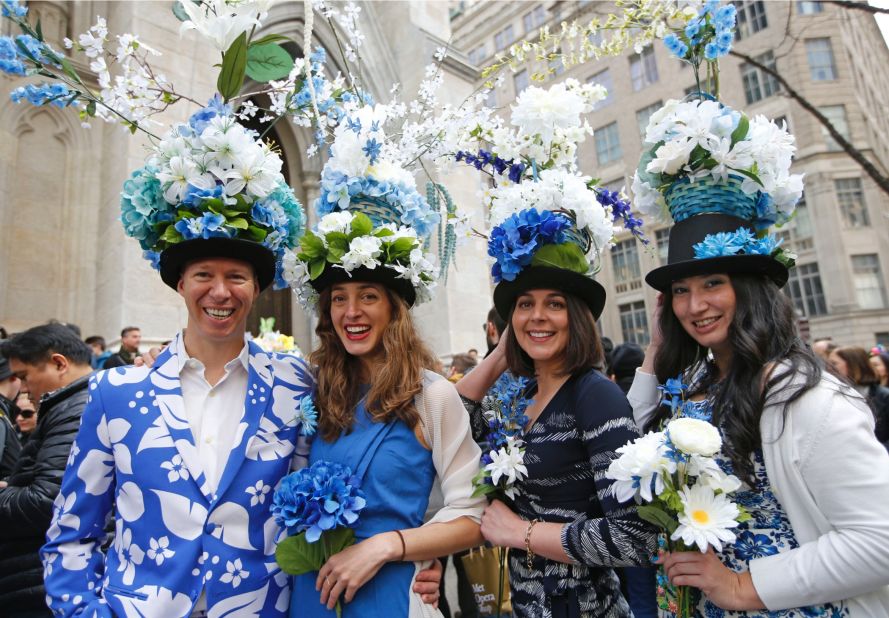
[36, 345]
[858, 365]
[584, 349]
[128, 329]
[95, 339]
[463, 362]
[495, 319]
[625, 359]
[762, 332]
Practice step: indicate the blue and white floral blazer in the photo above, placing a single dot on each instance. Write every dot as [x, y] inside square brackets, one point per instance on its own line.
[135, 453]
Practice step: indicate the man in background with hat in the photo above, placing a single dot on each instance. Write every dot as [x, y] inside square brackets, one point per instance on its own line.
[10, 446]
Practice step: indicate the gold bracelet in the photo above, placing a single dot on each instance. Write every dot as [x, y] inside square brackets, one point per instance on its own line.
[529, 553]
[403, 546]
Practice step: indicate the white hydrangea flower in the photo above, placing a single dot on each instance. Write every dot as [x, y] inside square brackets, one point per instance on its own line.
[363, 251]
[340, 221]
[640, 469]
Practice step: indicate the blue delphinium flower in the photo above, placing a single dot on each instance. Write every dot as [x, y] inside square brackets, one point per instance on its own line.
[13, 8]
[515, 172]
[725, 16]
[42, 94]
[307, 416]
[36, 49]
[672, 391]
[693, 27]
[321, 497]
[675, 46]
[10, 62]
[372, 150]
[510, 403]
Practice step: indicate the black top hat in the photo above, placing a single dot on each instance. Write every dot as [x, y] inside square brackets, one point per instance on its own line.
[585, 288]
[175, 257]
[381, 274]
[682, 260]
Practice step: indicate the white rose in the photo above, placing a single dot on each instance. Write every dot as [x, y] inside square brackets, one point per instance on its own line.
[670, 157]
[694, 437]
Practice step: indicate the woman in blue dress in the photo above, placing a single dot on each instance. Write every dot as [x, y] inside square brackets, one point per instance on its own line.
[815, 479]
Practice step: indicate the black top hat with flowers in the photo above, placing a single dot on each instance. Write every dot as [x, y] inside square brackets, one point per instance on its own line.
[550, 224]
[721, 177]
[373, 224]
[212, 188]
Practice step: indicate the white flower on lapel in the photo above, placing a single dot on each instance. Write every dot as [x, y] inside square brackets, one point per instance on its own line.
[234, 573]
[159, 549]
[258, 493]
[175, 469]
[129, 554]
[62, 515]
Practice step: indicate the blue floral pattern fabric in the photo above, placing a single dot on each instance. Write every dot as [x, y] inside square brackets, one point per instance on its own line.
[174, 537]
[768, 532]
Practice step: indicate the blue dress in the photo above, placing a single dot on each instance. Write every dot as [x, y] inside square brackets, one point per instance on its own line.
[768, 532]
[397, 475]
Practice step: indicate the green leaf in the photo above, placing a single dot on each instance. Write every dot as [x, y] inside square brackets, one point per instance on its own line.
[311, 246]
[338, 239]
[567, 255]
[361, 225]
[179, 12]
[335, 255]
[740, 131]
[91, 109]
[39, 30]
[295, 555]
[752, 176]
[268, 62]
[171, 235]
[338, 539]
[483, 490]
[383, 232]
[658, 517]
[68, 68]
[271, 38]
[239, 224]
[256, 233]
[316, 267]
[234, 65]
[403, 245]
[644, 160]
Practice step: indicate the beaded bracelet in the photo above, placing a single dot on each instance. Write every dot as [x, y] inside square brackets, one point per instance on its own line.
[403, 546]
[529, 553]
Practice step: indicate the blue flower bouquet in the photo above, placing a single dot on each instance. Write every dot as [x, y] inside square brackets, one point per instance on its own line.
[317, 506]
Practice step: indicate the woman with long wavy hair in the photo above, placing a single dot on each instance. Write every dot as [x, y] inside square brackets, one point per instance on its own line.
[815, 480]
[400, 428]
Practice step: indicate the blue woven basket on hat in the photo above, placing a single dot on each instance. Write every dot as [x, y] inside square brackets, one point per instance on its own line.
[378, 210]
[709, 195]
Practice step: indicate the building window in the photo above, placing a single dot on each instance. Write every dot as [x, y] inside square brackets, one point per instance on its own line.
[520, 80]
[804, 288]
[491, 101]
[869, 287]
[643, 69]
[836, 114]
[634, 323]
[504, 38]
[882, 339]
[821, 64]
[644, 114]
[751, 17]
[759, 84]
[809, 7]
[625, 260]
[535, 18]
[608, 144]
[604, 79]
[662, 238]
[478, 55]
[850, 196]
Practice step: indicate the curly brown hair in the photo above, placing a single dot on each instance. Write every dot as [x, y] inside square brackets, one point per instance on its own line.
[395, 383]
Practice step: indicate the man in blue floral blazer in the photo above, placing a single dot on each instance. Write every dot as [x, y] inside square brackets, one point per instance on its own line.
[186, 454]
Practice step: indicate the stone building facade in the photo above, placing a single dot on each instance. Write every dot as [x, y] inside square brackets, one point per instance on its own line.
[64, 254]
[836, 58]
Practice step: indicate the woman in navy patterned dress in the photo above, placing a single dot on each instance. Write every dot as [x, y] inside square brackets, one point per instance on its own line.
[565, 531]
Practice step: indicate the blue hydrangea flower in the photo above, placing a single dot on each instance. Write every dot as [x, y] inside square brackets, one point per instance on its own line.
[319, 55]
[195, 195]
[321, 497]
[154, 258]
[142, 206]
[209, 225]
[514, 241]
[201, 118]
[307, 416]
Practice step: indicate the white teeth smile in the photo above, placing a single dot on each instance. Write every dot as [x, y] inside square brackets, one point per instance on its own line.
[707, 322]
[219, 314]
[538, 333]
[357, 329]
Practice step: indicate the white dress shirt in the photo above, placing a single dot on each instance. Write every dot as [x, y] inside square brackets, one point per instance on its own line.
[213, 413]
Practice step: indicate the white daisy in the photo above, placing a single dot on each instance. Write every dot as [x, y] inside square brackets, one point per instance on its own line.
[706, 518]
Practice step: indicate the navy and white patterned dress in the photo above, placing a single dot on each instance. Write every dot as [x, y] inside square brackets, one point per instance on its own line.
[767, 533]
[568, 450]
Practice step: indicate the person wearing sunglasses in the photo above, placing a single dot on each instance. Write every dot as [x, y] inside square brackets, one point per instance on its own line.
[26, 420]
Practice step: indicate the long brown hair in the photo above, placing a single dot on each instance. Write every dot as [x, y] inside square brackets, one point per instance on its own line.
[395, 383]
[858, 365]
